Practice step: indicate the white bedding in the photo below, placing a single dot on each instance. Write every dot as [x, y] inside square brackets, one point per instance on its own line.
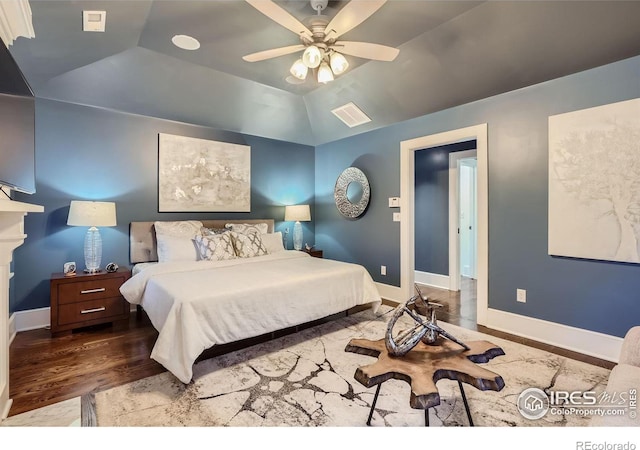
[195, 305]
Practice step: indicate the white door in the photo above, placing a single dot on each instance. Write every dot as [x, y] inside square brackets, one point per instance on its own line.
[468, 217]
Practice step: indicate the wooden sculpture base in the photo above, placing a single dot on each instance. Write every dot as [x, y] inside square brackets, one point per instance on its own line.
[424, 365]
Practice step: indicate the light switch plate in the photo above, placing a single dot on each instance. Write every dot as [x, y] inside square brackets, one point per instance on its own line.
[394, 202]
[396, 217]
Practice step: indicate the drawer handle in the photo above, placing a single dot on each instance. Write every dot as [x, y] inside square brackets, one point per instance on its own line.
[92, 291]
[88, 311]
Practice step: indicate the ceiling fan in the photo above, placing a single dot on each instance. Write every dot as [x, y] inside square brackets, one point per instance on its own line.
[321, 47]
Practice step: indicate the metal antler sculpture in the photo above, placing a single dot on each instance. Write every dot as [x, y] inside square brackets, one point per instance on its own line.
[399, 343]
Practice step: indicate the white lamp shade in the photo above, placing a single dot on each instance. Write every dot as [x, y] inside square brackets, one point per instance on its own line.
[338, 63]
[299, 70]
[92, 214]
[297, 213]
[324, 73]
[312, 57]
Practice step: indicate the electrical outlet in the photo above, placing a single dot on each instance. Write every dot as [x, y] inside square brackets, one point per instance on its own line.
[521, 295]
[383, 270]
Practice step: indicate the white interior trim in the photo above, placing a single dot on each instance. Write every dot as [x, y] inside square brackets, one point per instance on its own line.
[389, 292]
[433, 279]
[454, 216]
[407, 210]
[12, 328]
[32, 319]
[583, 341]
[15, 21]
[11, 237]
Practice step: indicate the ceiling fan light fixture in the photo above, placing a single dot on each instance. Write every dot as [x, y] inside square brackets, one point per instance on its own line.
[299, 70]
[324, 73]
[312, 56]
[338, 63]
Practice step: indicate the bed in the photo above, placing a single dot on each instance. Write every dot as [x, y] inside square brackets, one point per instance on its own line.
[197, 303]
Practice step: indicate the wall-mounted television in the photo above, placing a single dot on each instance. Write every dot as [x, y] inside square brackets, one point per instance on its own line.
[17, 143]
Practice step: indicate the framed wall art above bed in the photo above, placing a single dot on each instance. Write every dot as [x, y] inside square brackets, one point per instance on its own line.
[199, 175]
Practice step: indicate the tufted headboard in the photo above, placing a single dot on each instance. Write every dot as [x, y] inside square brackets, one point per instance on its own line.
[143, 244]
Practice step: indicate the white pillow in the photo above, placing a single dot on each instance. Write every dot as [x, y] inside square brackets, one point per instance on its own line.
[176, 248]
[183, 228]
[273, 242]
[175, 240]
[246, 228]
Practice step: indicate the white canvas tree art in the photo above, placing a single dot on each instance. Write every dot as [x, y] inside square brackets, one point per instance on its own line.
[594, 183]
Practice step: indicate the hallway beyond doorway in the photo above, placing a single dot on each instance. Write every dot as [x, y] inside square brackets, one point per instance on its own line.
[459, 306]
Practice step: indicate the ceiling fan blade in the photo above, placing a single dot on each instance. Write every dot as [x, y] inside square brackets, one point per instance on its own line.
[366, 50]
[273, 53]
[350, 16]
[281, 16]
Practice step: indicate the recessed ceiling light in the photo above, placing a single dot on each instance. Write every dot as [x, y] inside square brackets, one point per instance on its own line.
[185, 42]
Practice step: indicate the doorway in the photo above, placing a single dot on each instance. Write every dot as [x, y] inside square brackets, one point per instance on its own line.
[407, 198]
[445, 228]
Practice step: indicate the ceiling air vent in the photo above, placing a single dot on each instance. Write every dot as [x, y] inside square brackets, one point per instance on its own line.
[94, 20]
[351, 115]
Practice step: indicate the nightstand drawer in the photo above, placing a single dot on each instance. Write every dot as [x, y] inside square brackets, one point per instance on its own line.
[81, 291]
[91, 310]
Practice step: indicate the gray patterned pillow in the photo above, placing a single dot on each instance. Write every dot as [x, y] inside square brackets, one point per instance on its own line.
[248, 245]
[212, 231]
[215, 247]
[247, 228]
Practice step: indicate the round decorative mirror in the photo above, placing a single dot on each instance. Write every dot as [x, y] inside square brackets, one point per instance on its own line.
[352, 193]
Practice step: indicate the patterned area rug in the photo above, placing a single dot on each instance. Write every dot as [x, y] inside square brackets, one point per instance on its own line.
[307, 380]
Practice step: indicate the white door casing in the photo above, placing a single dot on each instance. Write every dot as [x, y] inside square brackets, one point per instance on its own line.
[407, 196]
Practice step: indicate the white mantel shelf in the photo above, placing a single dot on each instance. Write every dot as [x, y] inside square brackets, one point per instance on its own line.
[11, 236]
[13, 206]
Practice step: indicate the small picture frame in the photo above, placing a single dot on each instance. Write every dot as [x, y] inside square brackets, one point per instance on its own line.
[69, 269]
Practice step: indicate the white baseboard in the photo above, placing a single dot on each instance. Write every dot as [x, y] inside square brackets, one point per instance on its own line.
[432, 279]
[389, 292]
[4, 412]
[31, 319]
[583, 341]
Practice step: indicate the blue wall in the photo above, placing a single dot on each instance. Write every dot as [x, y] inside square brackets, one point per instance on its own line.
[95, 154]
[594, 295]
[431, 203]
[88, 153]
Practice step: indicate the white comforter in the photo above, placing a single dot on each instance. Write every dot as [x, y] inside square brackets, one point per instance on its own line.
[195, 305]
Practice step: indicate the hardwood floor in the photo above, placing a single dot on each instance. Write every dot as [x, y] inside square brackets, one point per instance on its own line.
[44, 370]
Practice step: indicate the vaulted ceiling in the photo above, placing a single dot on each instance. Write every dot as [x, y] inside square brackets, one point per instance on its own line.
[451, 53]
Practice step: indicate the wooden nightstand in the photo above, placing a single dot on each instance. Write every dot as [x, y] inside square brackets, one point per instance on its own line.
[87, 299]
[313, 252]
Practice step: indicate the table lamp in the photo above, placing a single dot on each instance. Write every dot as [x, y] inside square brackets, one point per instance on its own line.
[297, 213]
[92, 214]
